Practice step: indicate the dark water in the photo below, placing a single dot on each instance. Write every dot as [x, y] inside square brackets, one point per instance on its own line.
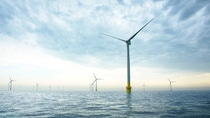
[105, 104]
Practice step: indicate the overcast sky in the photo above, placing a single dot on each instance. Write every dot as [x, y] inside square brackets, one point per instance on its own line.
[59, 43]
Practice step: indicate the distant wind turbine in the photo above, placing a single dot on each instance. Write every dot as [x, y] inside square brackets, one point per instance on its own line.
[57, 88]
[49, 87]
[10, 83]
[63, 88]
[128, 42]
[170, 82]
[95, 81]
[37, 86]
[144, 86]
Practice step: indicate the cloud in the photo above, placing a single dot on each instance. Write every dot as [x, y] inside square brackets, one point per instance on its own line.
[176, 40]
[185, 9]
[182, 36]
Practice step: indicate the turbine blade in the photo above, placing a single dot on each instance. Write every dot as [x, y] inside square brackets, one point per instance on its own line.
[114, 37]
[94, 81]
[94, 75]
[169, 80]
[139, 30]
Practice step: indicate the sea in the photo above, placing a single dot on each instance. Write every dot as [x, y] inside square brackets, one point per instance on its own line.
[105, 104]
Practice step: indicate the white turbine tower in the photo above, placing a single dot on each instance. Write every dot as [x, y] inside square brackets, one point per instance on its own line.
[95, 81]
[170, 82]
[10, 83]
[128, 42]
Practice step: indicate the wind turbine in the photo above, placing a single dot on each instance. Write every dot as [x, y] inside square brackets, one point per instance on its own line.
[37, 86]
[57, 88]
[95, 81]
[144, 86]
[10, 83]
[49, 87]
[170, 82]
[128, 42]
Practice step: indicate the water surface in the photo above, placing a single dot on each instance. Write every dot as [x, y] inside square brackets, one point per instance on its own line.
[162, 104]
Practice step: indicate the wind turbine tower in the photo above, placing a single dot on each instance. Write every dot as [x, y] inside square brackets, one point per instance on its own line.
[10, 83]
[170, 82]
[128, 43]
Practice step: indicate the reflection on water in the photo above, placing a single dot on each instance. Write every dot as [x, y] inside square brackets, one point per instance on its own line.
[129, 104]
[105, 104]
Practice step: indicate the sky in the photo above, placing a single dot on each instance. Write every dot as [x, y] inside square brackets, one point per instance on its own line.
[59, 44]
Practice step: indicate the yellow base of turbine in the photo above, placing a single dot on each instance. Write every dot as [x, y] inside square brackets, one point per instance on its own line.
[128, 88]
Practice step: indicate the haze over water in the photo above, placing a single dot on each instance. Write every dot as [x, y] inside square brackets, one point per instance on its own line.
[105, 104]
